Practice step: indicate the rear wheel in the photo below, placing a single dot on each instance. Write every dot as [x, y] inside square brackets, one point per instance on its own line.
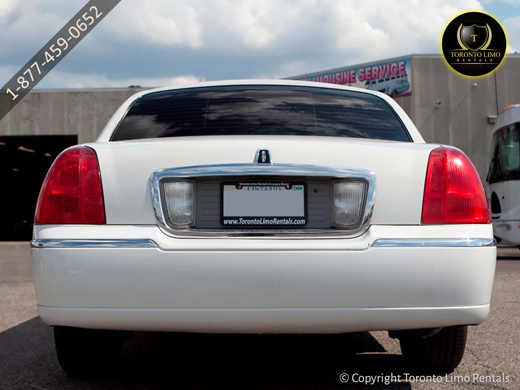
[88, 352]
[439, 353]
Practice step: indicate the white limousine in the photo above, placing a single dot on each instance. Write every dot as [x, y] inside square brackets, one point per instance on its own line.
[262, 207]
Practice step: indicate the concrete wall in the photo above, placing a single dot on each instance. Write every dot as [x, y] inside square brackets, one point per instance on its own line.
[64, 112]
[461, 119]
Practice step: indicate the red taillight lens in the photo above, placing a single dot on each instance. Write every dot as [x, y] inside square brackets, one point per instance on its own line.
[71, 191]
[453, 192]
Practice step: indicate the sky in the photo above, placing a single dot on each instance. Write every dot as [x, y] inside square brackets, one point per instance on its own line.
[179, 42]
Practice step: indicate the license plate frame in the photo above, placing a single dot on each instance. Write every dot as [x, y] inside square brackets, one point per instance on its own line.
[265, 221]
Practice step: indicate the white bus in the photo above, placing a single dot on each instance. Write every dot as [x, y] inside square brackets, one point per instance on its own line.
[504, 177]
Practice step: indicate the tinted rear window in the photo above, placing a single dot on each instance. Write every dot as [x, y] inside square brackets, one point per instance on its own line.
[260, 110]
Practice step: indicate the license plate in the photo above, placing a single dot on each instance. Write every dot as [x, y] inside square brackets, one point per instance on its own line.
[264, 204]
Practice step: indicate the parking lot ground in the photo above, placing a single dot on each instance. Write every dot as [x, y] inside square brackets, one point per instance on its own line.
[163, 360]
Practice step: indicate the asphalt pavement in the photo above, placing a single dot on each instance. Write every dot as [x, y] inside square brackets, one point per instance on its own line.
[164, 360]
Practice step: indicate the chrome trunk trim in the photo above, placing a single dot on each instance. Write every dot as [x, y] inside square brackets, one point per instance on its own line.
[227, 170]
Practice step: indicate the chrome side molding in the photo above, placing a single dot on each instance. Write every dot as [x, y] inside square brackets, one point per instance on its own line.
[146, 243]
[283, 170]
[120, 243]
[434, 242]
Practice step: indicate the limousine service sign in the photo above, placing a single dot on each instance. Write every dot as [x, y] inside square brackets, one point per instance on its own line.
[391, 77]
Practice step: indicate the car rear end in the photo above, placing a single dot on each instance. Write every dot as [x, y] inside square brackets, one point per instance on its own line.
[254, 208]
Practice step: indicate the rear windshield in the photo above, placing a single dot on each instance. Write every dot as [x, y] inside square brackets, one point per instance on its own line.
[260, 110]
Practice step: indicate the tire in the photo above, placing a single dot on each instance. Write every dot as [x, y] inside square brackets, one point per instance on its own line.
[88, 352]
[393, 93]
[440, 353]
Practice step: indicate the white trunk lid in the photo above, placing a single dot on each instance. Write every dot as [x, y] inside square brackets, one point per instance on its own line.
[126, 168]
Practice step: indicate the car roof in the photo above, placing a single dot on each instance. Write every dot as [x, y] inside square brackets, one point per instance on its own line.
[266, 82]
[293, 83]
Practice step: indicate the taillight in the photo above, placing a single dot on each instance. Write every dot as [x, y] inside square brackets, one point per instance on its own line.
[453, 192]
[72, 191]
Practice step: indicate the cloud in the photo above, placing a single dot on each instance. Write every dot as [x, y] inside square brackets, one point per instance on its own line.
[512, 27]
[28, 24]
[160, 22]
[316, 34]
[365, 25]
[153, 41]
[6, 8]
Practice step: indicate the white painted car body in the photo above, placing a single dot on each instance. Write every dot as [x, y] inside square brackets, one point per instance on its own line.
[132, 274]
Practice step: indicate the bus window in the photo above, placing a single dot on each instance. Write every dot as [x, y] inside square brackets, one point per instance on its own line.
[505, 160]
